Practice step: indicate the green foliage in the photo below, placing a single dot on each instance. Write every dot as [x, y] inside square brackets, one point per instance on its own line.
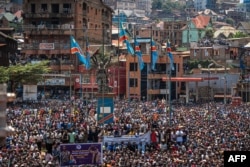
[195, 63]
[4, 74]
[209, 33]
[100, 59]
[239, 34]
[25, 74]
[230, 21]
[166, 5]
[157, 4]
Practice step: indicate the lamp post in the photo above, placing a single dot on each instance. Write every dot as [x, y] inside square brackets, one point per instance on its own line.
[225, 89]
[211, 64]
[70, 88]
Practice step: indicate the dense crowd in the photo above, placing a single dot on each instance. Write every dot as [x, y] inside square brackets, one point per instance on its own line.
[195, 136]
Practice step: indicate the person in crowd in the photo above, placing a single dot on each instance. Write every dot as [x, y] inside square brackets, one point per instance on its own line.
[195, 137]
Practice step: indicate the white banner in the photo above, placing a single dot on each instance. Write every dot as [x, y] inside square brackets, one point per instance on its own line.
[29, 92]
[53, 81]
[125, 139]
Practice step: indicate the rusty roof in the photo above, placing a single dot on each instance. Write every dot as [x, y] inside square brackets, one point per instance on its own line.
[201, 21]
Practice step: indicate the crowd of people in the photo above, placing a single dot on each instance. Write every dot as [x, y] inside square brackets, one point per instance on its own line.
[183, 135]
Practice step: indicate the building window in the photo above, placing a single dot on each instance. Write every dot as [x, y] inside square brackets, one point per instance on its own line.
[55, 8]
[85, 79]
[133, 82]
[33, 8]
[133, 67]
[84, 6]
[66, 8]
[44, 7]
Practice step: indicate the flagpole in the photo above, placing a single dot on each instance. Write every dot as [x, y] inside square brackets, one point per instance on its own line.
[151, 58]
[135, 93]
[118, 53]
[169, 84]
[170, 92]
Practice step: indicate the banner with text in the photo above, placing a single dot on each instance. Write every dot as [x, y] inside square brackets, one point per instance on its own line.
[80, 154]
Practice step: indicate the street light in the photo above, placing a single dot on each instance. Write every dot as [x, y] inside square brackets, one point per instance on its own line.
[225, 88]
[211, 64]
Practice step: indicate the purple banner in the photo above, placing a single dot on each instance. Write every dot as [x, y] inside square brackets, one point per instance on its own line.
[81, 154]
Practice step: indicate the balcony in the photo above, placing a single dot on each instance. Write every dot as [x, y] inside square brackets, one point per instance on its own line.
[154, 91]
[48, 15]
[50, 29]
[156, 76]
[57, 46]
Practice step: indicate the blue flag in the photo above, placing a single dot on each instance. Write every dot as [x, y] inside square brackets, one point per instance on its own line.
[154, 55]
[123, 37]
[76, 49]
[170, 55]
[139, 55]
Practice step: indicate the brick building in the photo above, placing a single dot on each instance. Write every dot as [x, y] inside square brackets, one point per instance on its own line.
[148, 83]
[47, 29]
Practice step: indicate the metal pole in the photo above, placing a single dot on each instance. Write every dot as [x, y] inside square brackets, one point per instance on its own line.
[225, 88]
[135, 70]
[118, 53]
[170, 92]
[209, 84]
[129, 84]
[70, 88]
[81, 86]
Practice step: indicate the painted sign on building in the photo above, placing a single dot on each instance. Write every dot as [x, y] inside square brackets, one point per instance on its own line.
[46, 46]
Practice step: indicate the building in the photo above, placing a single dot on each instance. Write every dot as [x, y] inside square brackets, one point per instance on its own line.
[147, 84]
[200, 4]
[173, 31]
[195, 29]
[8, 48]
[47, 29]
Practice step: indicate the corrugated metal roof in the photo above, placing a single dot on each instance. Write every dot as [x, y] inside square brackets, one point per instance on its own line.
[201, 21]
[9, 16]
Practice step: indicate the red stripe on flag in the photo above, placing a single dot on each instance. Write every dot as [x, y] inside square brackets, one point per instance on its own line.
[123, 38]
[153, 48]
[74, 50]
[105, 118]
[168, 49]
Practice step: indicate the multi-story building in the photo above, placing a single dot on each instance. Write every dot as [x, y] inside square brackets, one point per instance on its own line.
[4, 1]
[200, 5]
[147, 83]
[173, 31]
[8, 46]
[126, 5]
[48, 26]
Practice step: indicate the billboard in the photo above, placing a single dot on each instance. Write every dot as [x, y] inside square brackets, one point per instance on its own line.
[80, 154]
[105, 110]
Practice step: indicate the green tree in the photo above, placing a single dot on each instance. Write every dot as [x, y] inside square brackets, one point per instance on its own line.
[166, 5]
[157, 4]
[239, 34]
[23, 74]
[230, 21]
[209, 33]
